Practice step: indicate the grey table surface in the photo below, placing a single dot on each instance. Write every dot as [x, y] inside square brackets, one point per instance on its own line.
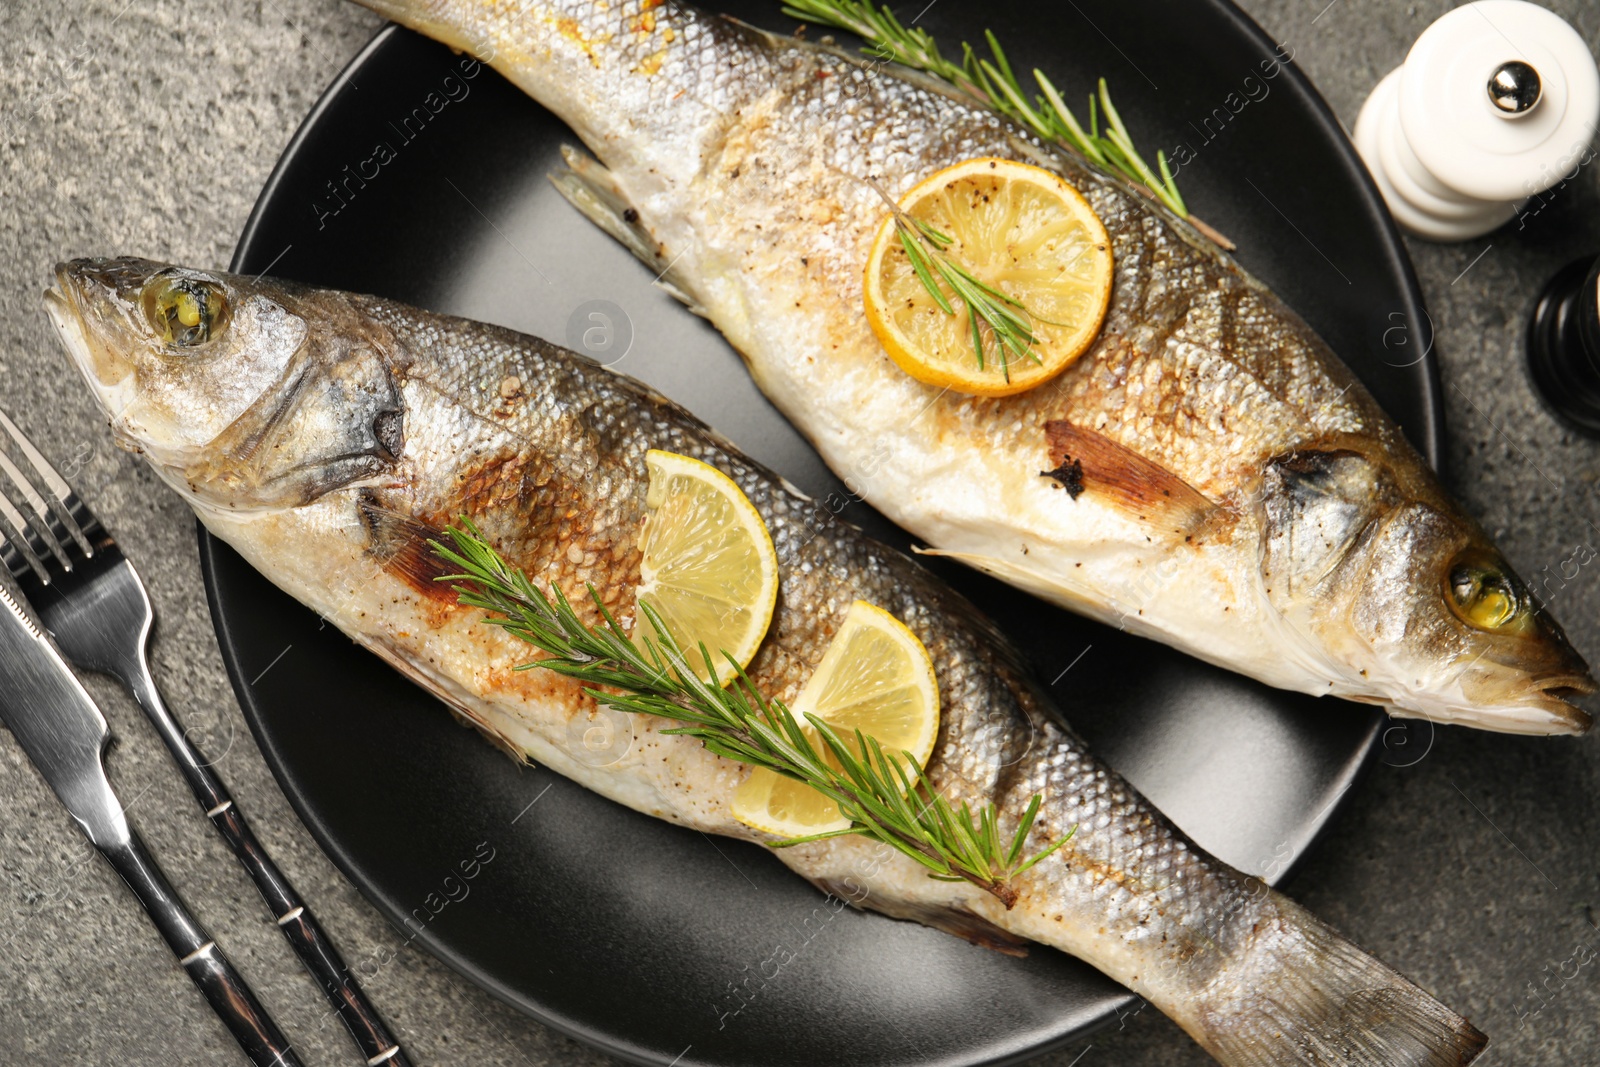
[148, 127]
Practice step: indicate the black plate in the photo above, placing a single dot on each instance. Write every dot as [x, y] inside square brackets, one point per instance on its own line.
[658, 944]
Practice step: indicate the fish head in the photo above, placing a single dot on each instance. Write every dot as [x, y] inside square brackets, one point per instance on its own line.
[1418, 609]
[243, 393]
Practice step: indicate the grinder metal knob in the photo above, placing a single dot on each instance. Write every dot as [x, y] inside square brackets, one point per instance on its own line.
[1515, 87]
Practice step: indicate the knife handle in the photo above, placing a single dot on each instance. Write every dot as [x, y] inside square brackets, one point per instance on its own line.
[209, 969]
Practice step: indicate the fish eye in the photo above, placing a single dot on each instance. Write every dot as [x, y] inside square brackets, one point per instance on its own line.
[185, 311]
[1485, 594]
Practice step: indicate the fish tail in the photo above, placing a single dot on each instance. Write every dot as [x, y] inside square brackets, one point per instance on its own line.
[1303, 994]
[434, 20]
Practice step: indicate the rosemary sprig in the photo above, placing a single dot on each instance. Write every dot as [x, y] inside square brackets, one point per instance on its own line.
[886, 796]
[1006, 317]
[992, 81]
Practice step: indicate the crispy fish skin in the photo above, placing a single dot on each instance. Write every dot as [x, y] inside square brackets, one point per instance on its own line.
[1243, 497]
[328, 436]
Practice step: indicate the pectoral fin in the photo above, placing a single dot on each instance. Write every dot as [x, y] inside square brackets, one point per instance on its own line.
[1085, 462]
[403, 546]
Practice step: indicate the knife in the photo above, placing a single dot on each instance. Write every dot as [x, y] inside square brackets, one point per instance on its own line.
[65, 736]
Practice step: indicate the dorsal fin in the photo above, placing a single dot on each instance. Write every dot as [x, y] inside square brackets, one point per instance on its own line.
[1082, 461]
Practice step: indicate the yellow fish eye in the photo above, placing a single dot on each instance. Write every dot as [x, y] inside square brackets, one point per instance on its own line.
[185, 311]
[1485, 595]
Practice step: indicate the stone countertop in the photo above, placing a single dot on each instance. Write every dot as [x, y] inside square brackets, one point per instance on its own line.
[149, 126]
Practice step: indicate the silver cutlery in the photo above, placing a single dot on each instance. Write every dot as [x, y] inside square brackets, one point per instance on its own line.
[65, 736]
[94, 605]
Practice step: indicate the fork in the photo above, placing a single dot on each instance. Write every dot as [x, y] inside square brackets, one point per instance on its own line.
[94, 604]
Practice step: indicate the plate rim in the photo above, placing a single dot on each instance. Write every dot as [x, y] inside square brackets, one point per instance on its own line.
[1430, 443]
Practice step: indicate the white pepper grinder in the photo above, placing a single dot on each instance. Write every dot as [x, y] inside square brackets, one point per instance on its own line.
[1496, 102]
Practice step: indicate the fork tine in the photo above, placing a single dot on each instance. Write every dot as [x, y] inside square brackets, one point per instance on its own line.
[49, 539]
[81, 523]
[15, 549]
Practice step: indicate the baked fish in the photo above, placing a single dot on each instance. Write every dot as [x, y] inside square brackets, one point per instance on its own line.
[328, 437]
[1234, 491]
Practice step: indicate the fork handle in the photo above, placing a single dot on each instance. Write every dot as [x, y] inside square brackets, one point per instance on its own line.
[302, 931]
[207, 967]
[300, 928]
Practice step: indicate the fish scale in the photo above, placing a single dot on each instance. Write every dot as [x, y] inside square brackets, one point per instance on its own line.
[545, 452]
[749, 171]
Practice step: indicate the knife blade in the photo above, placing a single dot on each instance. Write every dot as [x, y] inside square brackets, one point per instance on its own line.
[63, 732]
[57, 725]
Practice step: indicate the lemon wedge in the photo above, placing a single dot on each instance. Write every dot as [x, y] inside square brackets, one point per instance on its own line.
[1017, 228]
[875, 676]
[709, 568]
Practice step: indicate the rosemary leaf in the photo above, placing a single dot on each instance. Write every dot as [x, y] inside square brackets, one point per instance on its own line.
[1047, 850]
[992, 82]
[885, 796]
[919, 263]
[1023, 827]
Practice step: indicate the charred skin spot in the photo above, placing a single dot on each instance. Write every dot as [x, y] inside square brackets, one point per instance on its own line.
[1069, 476]
[501, 485]
[554, 524]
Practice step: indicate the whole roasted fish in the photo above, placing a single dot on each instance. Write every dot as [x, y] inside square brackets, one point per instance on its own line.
[1242, 497]
[327, 437]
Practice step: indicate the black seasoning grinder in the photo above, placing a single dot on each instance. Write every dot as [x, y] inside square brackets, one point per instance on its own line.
[1564, 346]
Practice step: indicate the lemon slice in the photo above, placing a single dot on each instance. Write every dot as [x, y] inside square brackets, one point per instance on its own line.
[876, 677]
[1020, 229]
[708, 567]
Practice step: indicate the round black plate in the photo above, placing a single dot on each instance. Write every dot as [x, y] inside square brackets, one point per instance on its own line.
[658, 944]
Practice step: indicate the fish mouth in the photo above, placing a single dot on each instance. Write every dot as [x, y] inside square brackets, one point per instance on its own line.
[1545, 706]
[108, 374]
[63, 303]
[66, 318]
[1551, 691]
[1559, 696]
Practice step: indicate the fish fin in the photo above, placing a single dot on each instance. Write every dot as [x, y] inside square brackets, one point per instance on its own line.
[403, 547]
[1303, 994]
[459, 708]
[951, 919]
[1083, 461]
[590, 187]
[1021, 576]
